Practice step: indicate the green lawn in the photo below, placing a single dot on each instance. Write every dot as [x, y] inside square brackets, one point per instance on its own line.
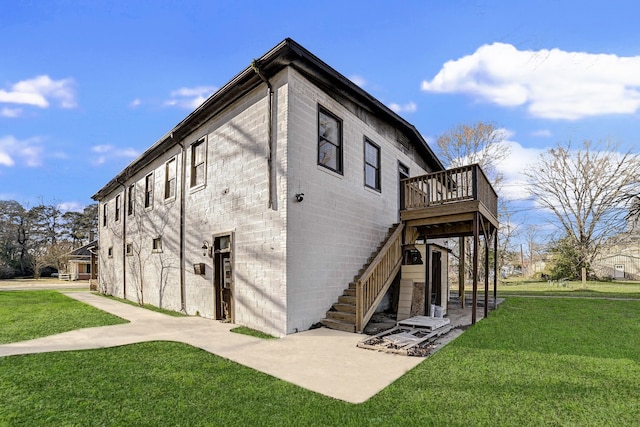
[532, 362]
[25, 315]
[616, 289]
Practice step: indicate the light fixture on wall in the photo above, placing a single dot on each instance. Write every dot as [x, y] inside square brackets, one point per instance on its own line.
[299, 197]
[205, 247]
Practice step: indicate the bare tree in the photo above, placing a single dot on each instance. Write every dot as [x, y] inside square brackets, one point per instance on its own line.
[481, 143]
[584, 189]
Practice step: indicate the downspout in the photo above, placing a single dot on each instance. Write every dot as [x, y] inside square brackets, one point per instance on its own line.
[183, 163]
[124, 240]
[272, 204]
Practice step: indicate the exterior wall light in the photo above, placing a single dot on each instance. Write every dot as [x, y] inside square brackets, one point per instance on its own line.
[205, 246]
[299, 197]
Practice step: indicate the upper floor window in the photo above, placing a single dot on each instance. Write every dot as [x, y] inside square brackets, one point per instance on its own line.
[148, 191]
[329, 140]
[104, 215]
[371, 165]
[130, 199]
[117, 210]
[198, 162]
[170, 179]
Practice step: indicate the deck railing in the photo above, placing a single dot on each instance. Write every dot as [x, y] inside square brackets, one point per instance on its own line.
[465, 183]
[377, 278]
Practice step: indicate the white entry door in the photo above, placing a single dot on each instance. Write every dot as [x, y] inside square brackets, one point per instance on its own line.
[618, 271]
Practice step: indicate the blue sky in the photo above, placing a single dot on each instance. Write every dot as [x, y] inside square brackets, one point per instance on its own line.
[85, 87]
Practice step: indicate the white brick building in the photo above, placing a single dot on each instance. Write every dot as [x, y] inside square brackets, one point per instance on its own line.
[263, 203]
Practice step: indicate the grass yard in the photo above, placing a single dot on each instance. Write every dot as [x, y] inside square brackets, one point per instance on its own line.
[532, 362]
[616, 289]
[25, 315]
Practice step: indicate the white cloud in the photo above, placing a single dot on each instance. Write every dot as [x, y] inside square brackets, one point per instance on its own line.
[520, 159]
[10, 112]
[190, 97]
[71, 206]
[107, 152]
[40, 91]
[358, 80]
[410, 107]
[27, 151]
[135, 103]
[543, 133]
[552, 84]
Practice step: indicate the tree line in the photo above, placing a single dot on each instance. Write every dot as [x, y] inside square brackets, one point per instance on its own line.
[34, 240]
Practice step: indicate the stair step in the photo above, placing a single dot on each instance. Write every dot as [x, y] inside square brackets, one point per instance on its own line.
[343, 299]
[342, 316]
[345, 308]
[338, 325]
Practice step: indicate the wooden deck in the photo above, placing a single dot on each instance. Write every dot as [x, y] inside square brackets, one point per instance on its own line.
[445, 203]
[457, 202]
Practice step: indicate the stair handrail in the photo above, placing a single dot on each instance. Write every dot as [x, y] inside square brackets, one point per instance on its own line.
[377, 278]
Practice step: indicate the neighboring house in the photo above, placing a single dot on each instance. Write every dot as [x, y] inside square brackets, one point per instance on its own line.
[263, 204]
[79, 263]
[620, 258]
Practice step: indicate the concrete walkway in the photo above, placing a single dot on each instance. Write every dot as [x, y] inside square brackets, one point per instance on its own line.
[321, 360]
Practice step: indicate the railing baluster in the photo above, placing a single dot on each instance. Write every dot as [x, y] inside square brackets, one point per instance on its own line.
[453, 185]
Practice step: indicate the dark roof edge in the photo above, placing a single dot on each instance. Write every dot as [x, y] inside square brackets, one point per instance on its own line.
[83, 250]
[418, 140]
[287, 52]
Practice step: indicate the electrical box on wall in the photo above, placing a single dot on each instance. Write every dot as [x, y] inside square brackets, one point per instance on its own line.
[199, 268]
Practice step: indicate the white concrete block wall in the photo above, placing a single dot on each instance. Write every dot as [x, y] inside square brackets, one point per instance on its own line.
[235, 200]
[157, 282]
[290, 264]
[340, 222]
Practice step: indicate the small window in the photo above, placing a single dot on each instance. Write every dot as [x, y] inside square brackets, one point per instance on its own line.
[329, 141]
[148, 191]
[110, 252]
[157, 244]
[130, 199]
[198, 162]
[104, 215]
[371, 165]
[129, 249]
[117, 211]
[170, 179]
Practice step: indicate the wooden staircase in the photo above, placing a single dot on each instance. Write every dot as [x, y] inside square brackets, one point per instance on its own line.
[358, 302]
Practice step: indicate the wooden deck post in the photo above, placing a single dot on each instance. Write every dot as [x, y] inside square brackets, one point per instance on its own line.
[495, 268]
[476, 237]
[461, 273]
[487, 247]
